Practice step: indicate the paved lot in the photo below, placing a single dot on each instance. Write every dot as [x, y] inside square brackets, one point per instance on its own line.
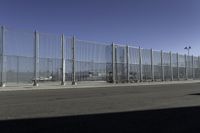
[76, 101]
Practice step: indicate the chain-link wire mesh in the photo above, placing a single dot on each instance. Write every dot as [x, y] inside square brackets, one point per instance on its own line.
[182, 67]
[19, 56]
[166, 66]
[157, 65]
[49, 57]
[134, 64]
[19, 69]
[92, 61]
[146, 64]
[110, 63]
[121, 63]
[175, 66]
[196, 67]
[189, 67]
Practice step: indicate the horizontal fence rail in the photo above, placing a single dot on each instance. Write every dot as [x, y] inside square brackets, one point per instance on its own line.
[36, 58]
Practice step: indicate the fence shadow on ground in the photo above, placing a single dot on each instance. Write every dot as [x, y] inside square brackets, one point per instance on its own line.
[175, 120]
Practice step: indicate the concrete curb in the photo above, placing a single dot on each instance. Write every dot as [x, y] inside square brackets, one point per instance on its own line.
[92, 85]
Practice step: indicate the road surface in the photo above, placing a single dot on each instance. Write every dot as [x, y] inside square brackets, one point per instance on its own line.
[76, 101]
[158, 108]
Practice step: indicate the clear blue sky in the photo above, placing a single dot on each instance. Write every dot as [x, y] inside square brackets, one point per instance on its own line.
[158, 24]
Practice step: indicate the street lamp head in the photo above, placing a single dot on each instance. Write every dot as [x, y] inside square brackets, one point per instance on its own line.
[187, 48]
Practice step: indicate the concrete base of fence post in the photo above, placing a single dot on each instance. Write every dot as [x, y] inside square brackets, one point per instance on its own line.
[2, 84]
[63, 83]
[35, 83]
[74, 83]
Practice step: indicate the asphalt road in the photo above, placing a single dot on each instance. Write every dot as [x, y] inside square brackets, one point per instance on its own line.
[159, 108]
[79, 101]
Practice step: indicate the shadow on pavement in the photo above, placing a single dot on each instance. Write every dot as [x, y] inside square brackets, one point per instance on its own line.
[195, 94]
[175, 120]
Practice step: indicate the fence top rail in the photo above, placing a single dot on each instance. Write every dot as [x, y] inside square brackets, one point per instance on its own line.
[125, 45]
[94, 42]
[51, 34]
[134, 47]
[32, 32]
[18, 30]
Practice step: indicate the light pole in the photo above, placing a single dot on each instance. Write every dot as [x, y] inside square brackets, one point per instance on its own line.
[186, 61]
[188, 49]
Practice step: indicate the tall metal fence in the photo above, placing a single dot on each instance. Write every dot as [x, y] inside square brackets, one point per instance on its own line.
[33, 57]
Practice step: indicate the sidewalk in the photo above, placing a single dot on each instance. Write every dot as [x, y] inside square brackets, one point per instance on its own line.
[85, 84]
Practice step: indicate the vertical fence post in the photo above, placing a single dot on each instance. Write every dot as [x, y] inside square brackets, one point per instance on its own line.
[152, 66]
[113, 64]
[171, 67]
[73, 61]
[177, 58]
[193, 72]
[140, 64]
[198, 68]
[127, 62]
[36, 57]
[186, 71]
[17, 69]
[63, 59]
[117, 78]
[2, 57]
[162, 68]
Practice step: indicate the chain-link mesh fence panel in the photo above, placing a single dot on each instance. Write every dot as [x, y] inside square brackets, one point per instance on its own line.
[121, 64]
[134, 72]
[19, 43]
[157, 65]
[196, 67]
[3, 68]
[91, 61]
[166, 66]
[49, 57]
[175, 66]
[25, 69]
[189, 67]
[181, 62]
[19, 52]
[12, 68]
[110, 63]
[146, 64]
